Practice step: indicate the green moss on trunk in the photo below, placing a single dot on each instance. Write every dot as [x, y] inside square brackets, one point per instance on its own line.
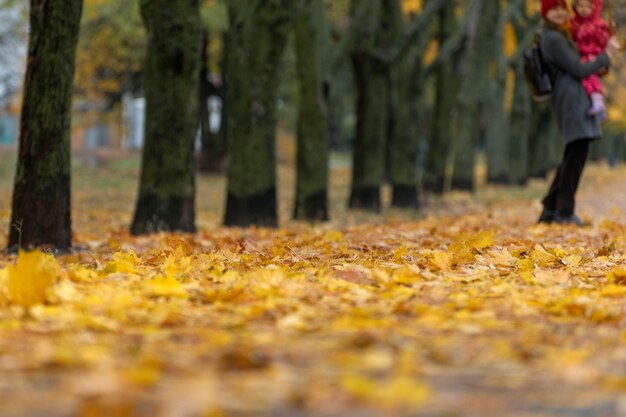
[167, 184]
[520, 120]
[371, 77]
[439, 157]
[256, 43]
[409, 129]
[312, 160]
[40, 214]
[478, 96]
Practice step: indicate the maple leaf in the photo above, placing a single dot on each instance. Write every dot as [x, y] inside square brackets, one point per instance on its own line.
[28, 280]
[617, 276]
[441, 260]
[542, 257]
[166, 286]
[123, 262]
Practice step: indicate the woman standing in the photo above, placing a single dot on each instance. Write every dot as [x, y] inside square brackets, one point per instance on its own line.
[570, 104]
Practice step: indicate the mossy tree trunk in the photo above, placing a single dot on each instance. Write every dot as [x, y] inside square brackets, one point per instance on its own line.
[166, 200]
[498, 129]
[477, 89]
[519, 131]
[257, 40]
[498, 132]
[440, 153]
[509, 134]
[312, 125]
[370, 73]
[41, 211]
[406, 135]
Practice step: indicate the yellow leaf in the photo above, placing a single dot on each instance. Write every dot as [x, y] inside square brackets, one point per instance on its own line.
[146, 375]
[613, 291]
[358, 386]
[405, 391]
[292, 322]
[572, 260]
[542, 257]
[482, 240]
[407, 274]
[29, 279]
[123, 262]
[333, 236]
[441, 260]
[617, 276]
[63, 292]
[78, 273]
[166, 286]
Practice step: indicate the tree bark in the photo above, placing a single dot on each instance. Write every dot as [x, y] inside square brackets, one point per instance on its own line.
[511, 135]
[256, 43]
[408, 131]
[41, 210]
[372, 31]
[368, 166]
[477, 90]
[312, 130]
[519, 131]
[166, 200]
[440, 156]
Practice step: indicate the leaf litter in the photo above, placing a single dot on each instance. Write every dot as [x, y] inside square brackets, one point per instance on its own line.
[453, 315]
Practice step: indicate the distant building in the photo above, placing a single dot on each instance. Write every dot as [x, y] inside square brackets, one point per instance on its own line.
[134, 115]
[8, 129]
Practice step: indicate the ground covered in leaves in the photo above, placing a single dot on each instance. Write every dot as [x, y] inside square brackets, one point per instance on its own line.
[467, 309]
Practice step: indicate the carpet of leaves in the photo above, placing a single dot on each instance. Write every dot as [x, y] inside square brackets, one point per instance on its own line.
[481, 313]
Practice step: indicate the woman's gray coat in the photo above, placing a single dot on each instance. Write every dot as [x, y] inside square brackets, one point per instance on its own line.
[570, 101]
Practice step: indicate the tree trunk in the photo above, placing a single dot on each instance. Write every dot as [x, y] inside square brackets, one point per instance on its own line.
[370, 73]
[498, 138]
[312, 160]
[520, 120]
[406, 135]
[256, 43]
[510, 135]
[41, 211]
[440, 156]
[166, 198]
[477, 90]
[368, 169]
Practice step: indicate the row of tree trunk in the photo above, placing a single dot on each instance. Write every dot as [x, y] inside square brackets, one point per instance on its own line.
[466, 79]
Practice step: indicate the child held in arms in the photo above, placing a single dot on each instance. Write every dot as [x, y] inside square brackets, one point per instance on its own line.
[591, 34]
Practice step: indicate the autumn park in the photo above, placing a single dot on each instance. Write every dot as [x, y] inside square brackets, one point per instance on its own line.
[307, 208]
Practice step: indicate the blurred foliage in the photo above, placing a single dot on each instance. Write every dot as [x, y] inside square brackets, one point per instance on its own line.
[112, 44]
[214, 15]
[110, 51]
[112, 47]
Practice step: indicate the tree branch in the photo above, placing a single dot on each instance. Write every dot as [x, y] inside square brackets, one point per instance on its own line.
[417, 26]
[453, 42]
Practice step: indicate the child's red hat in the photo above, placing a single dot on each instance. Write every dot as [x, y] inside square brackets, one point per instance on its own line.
[546, 5]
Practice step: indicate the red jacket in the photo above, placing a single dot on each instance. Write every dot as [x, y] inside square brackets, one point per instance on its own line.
[591, 33]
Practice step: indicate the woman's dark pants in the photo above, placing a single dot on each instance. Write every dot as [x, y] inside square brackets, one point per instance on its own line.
[560, 197]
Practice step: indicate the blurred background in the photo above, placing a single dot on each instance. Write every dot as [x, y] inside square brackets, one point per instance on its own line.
[438, 99]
